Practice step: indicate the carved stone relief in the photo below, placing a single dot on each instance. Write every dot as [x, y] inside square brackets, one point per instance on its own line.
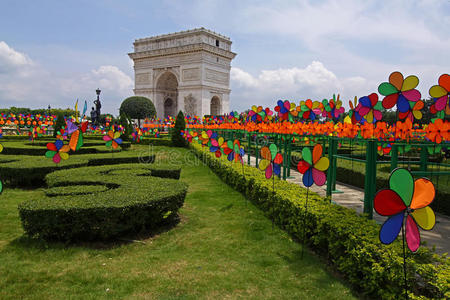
[216, 76]
[190, 105]
[191, 74]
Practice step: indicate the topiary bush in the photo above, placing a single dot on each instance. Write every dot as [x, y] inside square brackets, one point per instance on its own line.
[180, 125]
[102, 203]
[30, 171]
[138, 107]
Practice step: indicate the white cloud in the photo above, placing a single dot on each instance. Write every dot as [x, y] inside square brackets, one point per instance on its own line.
[28, 84]
[12, 60]
[314, 81]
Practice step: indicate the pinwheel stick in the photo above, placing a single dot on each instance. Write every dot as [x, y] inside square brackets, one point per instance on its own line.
[273, 193]
[304, 220]
[404, 261]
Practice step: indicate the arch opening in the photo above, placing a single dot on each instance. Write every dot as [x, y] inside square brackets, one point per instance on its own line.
[215, 106]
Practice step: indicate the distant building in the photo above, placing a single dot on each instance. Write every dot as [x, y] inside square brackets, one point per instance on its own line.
[187, 70]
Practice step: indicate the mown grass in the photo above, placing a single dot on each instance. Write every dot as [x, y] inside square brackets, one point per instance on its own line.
[222, 248]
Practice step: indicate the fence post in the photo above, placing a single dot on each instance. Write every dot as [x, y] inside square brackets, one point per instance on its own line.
[394, 157]
[331, 175]
[423, 158]
[285, 157]
[289, 156]
[249, 151]
[370, 180]
[256, 150]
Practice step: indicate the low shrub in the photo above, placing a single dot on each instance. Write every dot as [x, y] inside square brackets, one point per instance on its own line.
[349, 241]
[101, 203]
[156, 141]
[30, 171]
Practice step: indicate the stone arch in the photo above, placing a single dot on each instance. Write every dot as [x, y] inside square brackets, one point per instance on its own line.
[167, 94]
[215, 108]
[167, 82]
[190, 105]
[170, 107]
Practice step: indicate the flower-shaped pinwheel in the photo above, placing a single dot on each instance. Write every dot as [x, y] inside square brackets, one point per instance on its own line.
[413, 112]
[287, 110]
[112, 139]
[136, 135]
[313, 166]
[370, 108]
[336, 107]
[399, 91]
[57, 151]
[405, 198]
[238, 151]
[258, 114]
[326, 112]
[441, 95]
[217, 146]
[271, 160]
[353, 112]
[310, 109]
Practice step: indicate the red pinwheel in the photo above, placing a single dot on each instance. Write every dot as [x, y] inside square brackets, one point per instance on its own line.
[313, 166]
[57, 151]
[399, 91]
[405, 199]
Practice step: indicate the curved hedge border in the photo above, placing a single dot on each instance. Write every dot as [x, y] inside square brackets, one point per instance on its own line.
[133, 200]
[13, 148]
[349, 241]
[30, 171]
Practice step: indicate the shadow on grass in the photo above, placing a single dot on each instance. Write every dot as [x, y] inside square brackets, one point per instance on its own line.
[26, 242]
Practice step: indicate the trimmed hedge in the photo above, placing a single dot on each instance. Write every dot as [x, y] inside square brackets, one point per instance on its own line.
[349, 241]
[132, 200]
[156, 141]
[30, 171]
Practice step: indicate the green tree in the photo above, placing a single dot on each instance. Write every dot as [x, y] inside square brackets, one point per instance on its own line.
[180, 125]
[138, 107]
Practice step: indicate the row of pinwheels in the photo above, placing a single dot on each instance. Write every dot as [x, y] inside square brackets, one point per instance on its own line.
[58, 151]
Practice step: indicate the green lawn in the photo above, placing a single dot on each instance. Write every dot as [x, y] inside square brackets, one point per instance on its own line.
[223, 247]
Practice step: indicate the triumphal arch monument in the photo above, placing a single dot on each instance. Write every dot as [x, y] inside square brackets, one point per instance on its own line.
[187, 71]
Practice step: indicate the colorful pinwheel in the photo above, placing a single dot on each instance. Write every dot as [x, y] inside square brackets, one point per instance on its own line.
[441, 95]
[413, 112]
[336, 107]
[271, 160]
[57, 151]
[76, 138]
[112, 139]
[136, 135]
[313, 166]
[287, 110]
[217, 146]
[370, 108]
[405, 199]
[399, 91]
[310, 109]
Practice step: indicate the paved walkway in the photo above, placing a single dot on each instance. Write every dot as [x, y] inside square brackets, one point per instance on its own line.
[352, 197]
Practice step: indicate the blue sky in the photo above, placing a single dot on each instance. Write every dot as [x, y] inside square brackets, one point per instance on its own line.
[52, 52]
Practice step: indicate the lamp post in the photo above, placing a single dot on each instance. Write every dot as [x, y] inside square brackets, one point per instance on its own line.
[98, 105]
[49, 109]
